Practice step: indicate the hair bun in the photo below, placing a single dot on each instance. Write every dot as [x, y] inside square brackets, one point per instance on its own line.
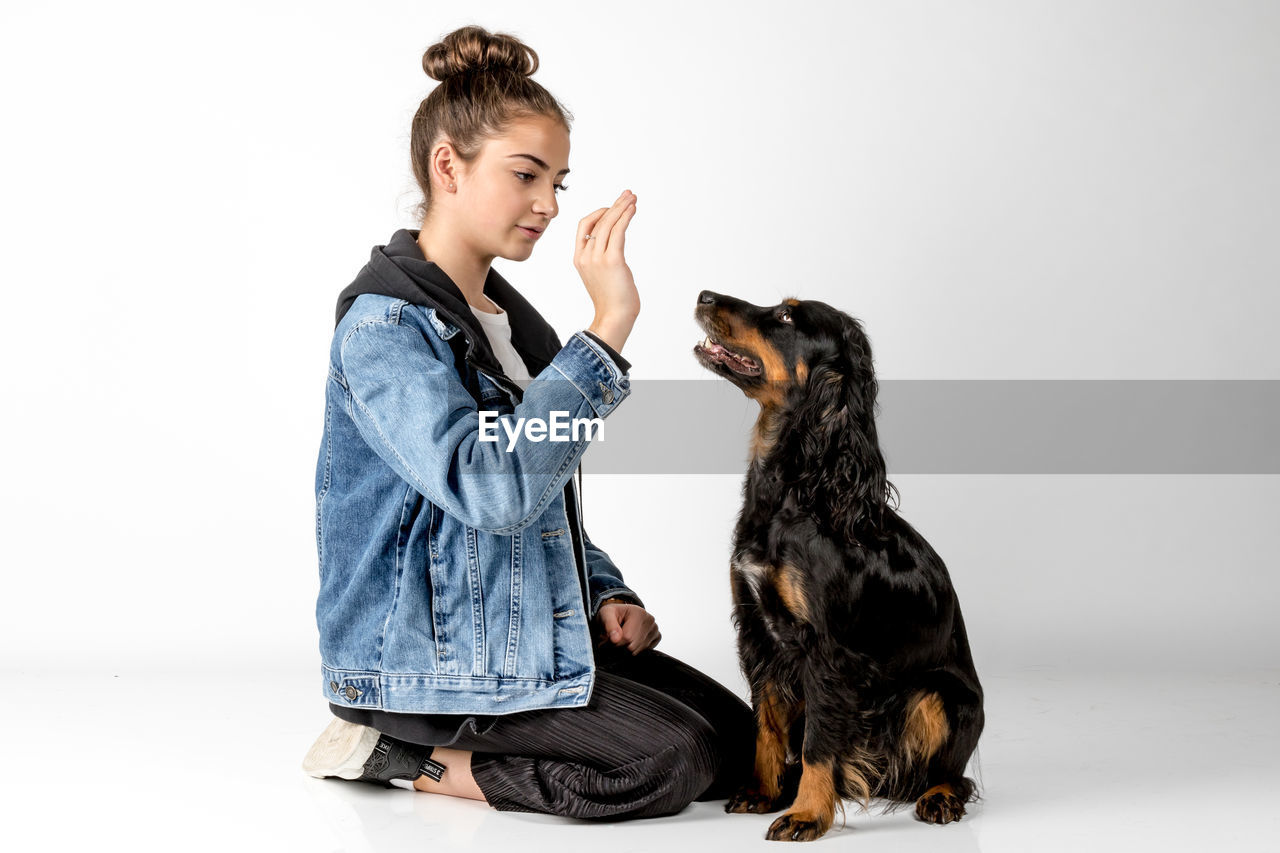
[472, 48]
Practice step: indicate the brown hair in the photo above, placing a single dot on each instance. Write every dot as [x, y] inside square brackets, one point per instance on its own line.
[485, 84]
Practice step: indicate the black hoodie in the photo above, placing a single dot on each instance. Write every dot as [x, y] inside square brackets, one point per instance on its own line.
[400, 270]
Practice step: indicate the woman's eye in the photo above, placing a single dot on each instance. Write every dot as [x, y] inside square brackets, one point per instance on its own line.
[525, 177]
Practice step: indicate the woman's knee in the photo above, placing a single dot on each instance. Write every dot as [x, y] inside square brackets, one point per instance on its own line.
[691, 762]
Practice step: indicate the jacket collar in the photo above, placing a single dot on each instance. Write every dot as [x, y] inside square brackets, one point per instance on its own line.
[400, 270]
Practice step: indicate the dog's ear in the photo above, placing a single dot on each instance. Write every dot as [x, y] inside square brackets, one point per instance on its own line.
[834, 457]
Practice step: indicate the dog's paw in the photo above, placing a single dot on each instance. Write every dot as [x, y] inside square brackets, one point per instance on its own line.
[799, 826]
[939, 805]
[751, 800]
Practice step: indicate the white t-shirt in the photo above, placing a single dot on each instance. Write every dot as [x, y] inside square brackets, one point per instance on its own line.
[497, 327]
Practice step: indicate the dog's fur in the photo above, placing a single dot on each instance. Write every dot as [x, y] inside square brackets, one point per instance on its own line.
[849, 630]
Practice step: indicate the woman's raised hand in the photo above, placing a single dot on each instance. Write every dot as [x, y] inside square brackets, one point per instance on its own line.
[600, 262]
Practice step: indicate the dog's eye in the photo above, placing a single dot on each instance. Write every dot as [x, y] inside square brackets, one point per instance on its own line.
[785, 315]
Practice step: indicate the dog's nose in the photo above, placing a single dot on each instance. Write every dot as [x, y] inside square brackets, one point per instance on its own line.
[706, 297]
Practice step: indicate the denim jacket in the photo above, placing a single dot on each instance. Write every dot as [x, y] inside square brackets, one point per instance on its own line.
[455, 575]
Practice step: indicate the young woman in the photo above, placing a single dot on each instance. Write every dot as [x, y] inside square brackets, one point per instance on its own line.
[474, 640]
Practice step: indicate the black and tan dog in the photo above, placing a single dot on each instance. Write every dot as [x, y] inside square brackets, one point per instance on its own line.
[849, 630]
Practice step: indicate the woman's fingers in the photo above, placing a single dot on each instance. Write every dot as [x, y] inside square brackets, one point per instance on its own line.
[605, 229]
[653, 636]
[612, 624]
[585, 225]
[630, 627]
[645, 642]
[640, 630]
[618, 235]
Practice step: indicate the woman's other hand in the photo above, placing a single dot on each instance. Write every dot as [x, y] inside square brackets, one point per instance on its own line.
[603, 267]
[628, 625]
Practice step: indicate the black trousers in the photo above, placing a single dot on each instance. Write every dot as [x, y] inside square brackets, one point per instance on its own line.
[656, 735]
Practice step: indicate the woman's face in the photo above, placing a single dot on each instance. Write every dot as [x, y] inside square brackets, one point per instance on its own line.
[508, 193]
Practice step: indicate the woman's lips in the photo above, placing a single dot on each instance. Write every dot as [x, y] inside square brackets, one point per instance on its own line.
[529, 232]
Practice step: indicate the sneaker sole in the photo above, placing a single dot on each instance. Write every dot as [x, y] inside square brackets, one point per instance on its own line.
[341, 750]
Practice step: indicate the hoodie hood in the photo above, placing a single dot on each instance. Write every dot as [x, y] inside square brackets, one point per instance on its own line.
[400, 270]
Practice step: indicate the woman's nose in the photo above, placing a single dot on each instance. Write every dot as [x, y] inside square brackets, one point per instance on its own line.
[546, 206]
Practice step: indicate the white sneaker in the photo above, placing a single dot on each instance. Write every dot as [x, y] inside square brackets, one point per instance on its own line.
[351, 751]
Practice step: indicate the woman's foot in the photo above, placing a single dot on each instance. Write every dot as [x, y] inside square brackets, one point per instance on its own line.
[350, 751]
[458, 781]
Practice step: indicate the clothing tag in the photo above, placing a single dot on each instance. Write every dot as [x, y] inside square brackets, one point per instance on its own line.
[434, 769]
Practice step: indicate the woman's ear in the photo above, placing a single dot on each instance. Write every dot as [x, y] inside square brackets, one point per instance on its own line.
[445, 164]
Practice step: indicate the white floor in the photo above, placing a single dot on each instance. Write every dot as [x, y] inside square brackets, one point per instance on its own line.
[1068, 762]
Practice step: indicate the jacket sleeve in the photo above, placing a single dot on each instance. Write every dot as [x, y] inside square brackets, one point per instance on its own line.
[415, 413]
[604, 579]
[622, 363]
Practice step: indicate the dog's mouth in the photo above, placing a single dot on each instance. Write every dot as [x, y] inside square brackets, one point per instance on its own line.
[714, 352]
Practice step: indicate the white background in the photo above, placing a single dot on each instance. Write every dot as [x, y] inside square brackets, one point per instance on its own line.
[997, 189]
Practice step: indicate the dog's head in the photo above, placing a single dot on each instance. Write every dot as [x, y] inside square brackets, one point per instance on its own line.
[770, 351]
[809, 366]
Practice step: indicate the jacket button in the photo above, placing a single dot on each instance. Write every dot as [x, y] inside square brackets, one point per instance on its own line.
[607, 392]
[333, 685]
[351, 693]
